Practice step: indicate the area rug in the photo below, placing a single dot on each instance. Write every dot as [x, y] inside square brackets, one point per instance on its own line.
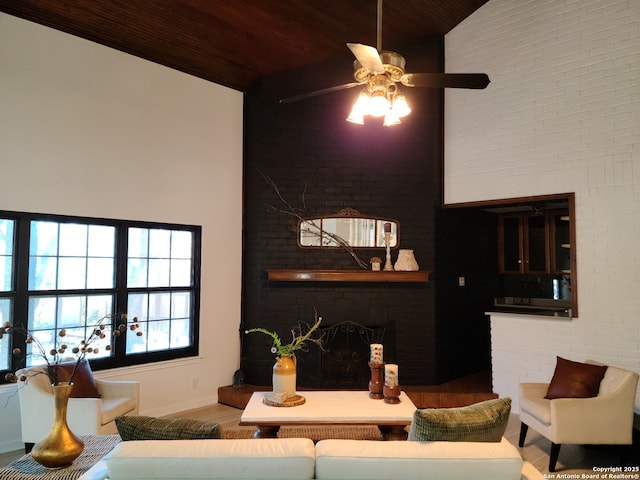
[26, 468]
[315, 433]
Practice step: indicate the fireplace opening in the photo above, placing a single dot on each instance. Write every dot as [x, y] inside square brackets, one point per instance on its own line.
[343, 362]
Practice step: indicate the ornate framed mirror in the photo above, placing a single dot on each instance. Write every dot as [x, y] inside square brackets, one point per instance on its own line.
[347, 228]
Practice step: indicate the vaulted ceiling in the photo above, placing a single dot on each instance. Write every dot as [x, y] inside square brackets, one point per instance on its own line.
[235, 42]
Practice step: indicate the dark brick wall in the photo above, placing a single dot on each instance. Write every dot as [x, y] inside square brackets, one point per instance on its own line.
[395, 172]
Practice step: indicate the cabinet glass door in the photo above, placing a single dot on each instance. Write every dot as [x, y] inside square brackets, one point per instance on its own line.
[561, 244]
[510, 248]
[537, 247]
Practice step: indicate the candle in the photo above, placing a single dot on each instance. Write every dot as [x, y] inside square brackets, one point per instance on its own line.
[376, 353]
[387, 227]
[391, 375]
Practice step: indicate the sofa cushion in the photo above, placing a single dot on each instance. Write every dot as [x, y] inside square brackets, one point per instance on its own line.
[481, 422]
[136, 427]
[267, 458]
[84, 384]
[360, 459]
[575, 379]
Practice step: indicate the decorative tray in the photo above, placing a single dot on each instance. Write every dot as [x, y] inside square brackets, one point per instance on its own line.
[289, 402]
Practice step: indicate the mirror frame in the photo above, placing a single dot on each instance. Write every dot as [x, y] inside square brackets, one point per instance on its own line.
[347, 214]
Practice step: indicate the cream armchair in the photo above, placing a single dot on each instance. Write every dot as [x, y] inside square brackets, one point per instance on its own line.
[606, 419]
[85, 416]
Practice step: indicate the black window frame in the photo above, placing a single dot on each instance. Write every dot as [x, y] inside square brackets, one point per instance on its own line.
[20, 290]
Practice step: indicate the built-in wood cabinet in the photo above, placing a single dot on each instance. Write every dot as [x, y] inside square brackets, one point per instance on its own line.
[523, 243]
[534, 243]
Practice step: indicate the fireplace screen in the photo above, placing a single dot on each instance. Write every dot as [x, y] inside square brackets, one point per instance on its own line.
[344, 360]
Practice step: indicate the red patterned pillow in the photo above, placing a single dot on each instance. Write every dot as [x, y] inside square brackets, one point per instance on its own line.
[575, 379]
[84, 385]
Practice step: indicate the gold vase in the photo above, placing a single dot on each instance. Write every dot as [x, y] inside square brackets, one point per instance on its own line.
[284, 375]
[60, 447]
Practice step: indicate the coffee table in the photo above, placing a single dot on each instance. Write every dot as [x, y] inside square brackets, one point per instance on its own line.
[330, 407]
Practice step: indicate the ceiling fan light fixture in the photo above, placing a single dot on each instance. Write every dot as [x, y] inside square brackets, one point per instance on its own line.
[378, 104]
[359, 109]
[400, 106]
[391, 119]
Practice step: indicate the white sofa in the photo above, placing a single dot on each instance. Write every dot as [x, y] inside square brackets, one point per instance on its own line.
[299, 458]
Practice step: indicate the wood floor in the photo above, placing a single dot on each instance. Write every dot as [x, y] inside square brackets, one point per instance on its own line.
[574, 459]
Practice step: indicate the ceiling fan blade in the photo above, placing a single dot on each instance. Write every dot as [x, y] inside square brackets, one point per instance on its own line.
[368, 57]
[445, 80]
[320, 92]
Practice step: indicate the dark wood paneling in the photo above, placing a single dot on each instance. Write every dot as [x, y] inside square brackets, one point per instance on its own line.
[233, 43]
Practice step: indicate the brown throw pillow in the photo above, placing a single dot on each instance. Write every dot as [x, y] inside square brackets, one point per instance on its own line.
[84, 385]
[575, 379]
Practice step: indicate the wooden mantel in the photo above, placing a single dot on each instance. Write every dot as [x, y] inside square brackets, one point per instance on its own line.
[289, 275]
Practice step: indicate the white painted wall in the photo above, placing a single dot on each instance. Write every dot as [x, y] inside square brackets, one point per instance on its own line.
[562, 114]
[87, 130]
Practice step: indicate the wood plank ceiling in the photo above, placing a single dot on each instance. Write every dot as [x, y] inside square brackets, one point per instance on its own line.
[235, 42]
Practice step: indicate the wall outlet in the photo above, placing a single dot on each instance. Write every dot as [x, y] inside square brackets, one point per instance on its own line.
[194, 383]
[461, 281]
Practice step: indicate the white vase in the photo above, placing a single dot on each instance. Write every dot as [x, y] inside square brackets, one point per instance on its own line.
[406, 261]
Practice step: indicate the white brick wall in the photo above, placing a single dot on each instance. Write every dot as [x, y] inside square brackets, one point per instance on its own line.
[562, 114]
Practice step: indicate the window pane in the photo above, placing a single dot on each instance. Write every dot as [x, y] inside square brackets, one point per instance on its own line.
[73, 240]
[44, 238]
[83, 256]
[102, 241]
[72, 273]
[158, 333]
[180, 273]
[159, 306]
[78, 315]
[169, 262]
[5, 346]
[137, 273]
[100, 273]
[166, 326]
[42, 273]
[181, 244]
[137, 306]
[42, 313]
[159, 243]
[138, 242]
[181, 305]
[180, 333]
[6, 255]
[158, 273]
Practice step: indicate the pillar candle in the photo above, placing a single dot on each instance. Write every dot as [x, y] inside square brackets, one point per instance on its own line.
[391, 375]
[376, 353]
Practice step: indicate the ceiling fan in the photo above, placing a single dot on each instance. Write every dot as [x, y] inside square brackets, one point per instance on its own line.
[380, 72]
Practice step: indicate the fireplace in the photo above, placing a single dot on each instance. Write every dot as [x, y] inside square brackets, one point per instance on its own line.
[343, 363]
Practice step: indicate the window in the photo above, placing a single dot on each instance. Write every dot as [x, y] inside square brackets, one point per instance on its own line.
[77, 270]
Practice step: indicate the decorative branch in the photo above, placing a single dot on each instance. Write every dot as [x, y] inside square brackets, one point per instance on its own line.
[302, 213]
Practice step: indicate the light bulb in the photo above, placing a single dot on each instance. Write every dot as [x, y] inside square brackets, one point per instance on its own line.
[378, 105]
[400, 106]
[359, 109]
[391, 119]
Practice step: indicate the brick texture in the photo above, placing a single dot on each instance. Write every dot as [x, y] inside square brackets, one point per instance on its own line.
[561, 115]
[307, 148]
